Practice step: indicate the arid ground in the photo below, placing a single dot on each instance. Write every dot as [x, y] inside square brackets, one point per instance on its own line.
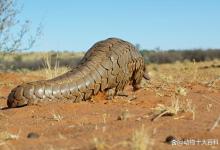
[180, 102]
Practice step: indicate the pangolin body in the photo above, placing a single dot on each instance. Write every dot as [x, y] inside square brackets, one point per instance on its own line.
[107, 66]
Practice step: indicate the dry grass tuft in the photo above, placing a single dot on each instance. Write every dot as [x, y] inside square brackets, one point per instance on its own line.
[141, 140]
[178, 105]
[52, 71]
[4, 136]
[216, 123]
[56, 117]
[99, 144]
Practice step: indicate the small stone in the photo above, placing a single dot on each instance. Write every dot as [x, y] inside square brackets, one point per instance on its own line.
[33, 135]
[170, 139]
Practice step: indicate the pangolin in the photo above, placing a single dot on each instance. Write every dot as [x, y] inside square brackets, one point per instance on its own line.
[107, 66]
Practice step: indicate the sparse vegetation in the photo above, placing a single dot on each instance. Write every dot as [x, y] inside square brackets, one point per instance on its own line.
[177, 88]
[33, 60]
[52, 71]
[125, 115]
[15, 33]
[216, 123]
[4, 136]
[38, 60]
[141, 140]
[56, 117]
[99, 144]
[171, 56]
[179, 104]
[183, 90]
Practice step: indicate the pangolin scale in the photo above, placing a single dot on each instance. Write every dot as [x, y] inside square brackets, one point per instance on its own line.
[107, 66]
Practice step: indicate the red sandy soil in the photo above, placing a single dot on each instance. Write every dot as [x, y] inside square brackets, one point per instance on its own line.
[77, 125]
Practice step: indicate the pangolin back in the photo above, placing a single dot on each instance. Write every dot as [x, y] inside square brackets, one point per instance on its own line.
[107, 66]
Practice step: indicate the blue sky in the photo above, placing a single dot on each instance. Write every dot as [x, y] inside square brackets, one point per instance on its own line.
[168, 24]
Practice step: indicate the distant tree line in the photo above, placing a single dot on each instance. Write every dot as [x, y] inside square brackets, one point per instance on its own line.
[18, 61]
[170, 56]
